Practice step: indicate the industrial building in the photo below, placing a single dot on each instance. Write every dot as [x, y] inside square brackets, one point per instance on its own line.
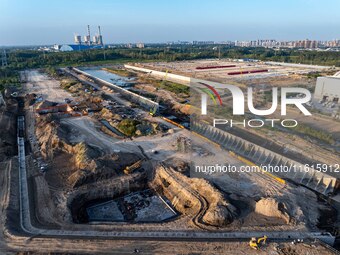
[78, 47]
[96, 43]
[328, 88]
[140, 45]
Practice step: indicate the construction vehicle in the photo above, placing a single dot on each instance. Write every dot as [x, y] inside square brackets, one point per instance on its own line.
[133, 167]
[256, 243]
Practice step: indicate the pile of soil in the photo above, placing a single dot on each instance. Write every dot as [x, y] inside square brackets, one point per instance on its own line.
[191, 194]
[272, 208]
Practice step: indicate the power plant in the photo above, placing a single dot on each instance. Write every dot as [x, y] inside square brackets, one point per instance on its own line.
[87, 44]
[96, 40]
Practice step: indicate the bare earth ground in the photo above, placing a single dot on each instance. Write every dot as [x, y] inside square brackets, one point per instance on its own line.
[44, 86]
[252, 185]
[89, 132]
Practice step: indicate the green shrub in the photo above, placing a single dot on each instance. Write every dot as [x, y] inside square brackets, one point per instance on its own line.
[128, 127]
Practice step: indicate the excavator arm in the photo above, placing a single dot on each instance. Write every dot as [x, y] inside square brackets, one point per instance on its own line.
[262, 239]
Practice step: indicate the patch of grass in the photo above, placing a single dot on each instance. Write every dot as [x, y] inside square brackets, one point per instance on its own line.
[168, 85]
[121, 72]
[176, 87]
[52, 71]
[68, 84]
[128, 127]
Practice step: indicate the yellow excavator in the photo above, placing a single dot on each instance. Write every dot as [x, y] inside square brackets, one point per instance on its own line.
[133, 167]
[257, 243]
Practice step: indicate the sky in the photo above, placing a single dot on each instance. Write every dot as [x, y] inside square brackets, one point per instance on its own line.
[40, 22]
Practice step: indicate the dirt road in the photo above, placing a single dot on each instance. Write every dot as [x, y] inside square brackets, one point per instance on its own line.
[4, 199]
[44, 86]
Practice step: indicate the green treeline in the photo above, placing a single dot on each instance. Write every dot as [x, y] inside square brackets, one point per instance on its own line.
[19, 59]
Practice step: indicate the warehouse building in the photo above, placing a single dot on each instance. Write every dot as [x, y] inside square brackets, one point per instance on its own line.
[328, 88]
[78, 47]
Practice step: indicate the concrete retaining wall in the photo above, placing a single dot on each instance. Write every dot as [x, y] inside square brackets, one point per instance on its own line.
[184, 80]
[158, 74]
[140, 100]
[181, 198]
[299, 173]
[112, 188]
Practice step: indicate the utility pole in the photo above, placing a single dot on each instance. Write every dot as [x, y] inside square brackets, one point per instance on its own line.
[4, 59]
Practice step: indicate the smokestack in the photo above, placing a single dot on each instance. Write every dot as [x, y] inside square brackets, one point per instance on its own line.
[88, 34]
[100, 38]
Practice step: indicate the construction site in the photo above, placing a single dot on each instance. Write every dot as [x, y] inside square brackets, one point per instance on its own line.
[242, 71]
[105, 156]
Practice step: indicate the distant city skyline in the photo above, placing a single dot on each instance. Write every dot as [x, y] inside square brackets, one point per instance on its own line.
[37, 22]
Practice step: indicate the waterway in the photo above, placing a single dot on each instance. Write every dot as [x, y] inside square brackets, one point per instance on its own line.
[109, 77]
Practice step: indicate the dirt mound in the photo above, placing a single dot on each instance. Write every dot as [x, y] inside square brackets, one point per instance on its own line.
[88, 163]
[220, 212]
[45, 104]
[75, 88]
[272, 208]
[102, 168]
[85, 155]
[194, 197]
[107, 114]
[46, 133]
[55, 137]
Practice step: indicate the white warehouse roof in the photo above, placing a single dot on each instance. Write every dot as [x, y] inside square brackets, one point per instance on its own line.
[327, 88]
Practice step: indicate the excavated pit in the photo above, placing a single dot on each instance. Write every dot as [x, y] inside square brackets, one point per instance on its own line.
[145, 206]
[88, 196]
[137, 199]
[124, 199]
[88, 185]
